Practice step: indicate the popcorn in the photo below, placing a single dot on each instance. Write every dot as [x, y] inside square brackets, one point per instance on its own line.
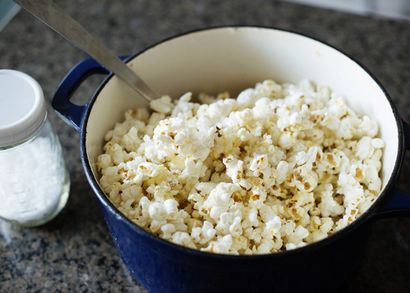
[277, 168]
[234, 168]
[183, 238]
[282, 171]
[219, 199]
[162, 105]
[377, 143]
[287, 141]
[171, 206]
[272, 228]
[204, 234]
[328, 205]
[364, 148]
[221, 245]
[167, 231]
[157, 211]
[104, 161]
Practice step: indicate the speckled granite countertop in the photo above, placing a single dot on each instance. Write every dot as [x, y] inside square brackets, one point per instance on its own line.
[74, 252]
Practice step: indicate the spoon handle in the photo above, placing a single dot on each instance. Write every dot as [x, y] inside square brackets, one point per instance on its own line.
[77, 35]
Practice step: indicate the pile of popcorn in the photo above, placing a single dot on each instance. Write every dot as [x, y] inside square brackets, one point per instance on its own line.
[279, 167]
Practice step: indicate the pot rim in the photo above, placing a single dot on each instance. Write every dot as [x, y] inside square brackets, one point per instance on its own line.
[366, 216]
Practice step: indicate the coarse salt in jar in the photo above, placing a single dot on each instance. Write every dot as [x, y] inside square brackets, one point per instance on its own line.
[34, 182]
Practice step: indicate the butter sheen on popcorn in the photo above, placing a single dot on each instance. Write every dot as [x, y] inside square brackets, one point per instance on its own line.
[277, 168]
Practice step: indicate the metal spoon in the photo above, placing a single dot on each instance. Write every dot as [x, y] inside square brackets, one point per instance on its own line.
[77, 35]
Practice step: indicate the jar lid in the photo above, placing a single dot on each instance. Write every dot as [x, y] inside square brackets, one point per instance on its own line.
[22, 107]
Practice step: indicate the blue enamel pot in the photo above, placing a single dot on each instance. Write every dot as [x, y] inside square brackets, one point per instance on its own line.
[233, 58]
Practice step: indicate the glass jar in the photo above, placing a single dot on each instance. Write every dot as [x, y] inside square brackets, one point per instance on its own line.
[34, 182]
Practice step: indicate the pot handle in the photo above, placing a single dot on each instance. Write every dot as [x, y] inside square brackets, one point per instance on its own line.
[398, 203]
[68, 111]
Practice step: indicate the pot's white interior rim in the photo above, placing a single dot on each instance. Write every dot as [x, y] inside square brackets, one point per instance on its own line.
[234, 58]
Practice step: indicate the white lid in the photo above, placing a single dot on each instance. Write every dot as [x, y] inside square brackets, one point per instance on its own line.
[22, 107]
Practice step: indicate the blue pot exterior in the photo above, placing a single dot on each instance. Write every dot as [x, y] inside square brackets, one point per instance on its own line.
[162, 268]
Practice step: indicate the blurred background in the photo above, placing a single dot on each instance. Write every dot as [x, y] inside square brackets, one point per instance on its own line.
[397, 9]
